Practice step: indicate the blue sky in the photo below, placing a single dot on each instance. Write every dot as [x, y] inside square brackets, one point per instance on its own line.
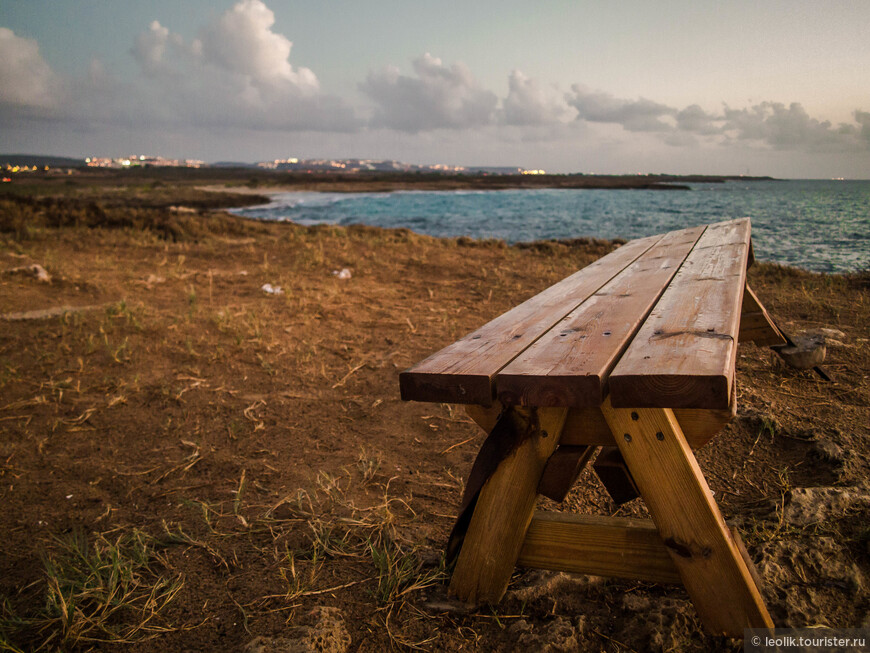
[777, 88]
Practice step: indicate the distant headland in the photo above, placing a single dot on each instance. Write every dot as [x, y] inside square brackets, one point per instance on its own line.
[336, 175]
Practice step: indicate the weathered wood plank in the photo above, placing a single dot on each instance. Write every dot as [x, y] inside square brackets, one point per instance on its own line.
[615, 547]
[712, 569]
[503, 511]
[569, 365]
[684, 354]
[463, 372]
[756, 324]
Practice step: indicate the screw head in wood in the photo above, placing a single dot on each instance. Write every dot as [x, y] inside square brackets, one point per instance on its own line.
[660, 435]
[635, 416]
[627, 437]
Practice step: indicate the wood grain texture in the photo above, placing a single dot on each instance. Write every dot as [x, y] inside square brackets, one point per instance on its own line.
[484, 416]
[756, 324]
[700, 544]
[464, 371]
[684, 354]
[504, 509]
[587, 426]
[701, 425]
[603, 546]
[569, 365]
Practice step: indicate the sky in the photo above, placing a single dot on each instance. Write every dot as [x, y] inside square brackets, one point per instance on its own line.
[761, 87]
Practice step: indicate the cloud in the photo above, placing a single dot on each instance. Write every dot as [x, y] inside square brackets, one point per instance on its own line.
[640, 115]
[237, 73]
[242, 42]
[694, 120]
[863, 120]
[436, 97]
[788, 127]
[767, 124]
[152, 45]
[150, 48]
[237, 77]
[530, 103]
[26, 80]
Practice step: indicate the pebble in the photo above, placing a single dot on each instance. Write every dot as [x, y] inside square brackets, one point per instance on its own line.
[328, 634]
[812, 505]
[828, 451]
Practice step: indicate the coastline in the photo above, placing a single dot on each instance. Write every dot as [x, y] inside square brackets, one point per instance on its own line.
[814, 240]
[379, 183]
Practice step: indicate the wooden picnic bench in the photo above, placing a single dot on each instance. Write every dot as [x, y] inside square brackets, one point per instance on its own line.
[634, 355]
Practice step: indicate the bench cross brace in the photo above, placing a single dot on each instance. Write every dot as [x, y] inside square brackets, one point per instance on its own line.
[687, 541]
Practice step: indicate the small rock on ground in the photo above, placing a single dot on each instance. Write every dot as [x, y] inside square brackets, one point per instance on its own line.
[829, 452]
[328, 634]
[557, 636]
[540, 583]
[45, 313]
[657, 624]
[797, 573]
[811, 505]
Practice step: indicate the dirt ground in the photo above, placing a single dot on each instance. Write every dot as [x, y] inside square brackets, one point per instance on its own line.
[191, 463]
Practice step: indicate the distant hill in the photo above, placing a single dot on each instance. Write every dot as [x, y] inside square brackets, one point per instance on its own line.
[40, 160]
[232, 164]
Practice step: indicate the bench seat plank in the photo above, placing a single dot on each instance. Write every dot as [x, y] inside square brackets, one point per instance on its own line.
[684, 354]
[464, 371]
[569, 365]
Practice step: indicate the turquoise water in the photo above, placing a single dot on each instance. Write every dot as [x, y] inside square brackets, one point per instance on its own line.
[817, 225]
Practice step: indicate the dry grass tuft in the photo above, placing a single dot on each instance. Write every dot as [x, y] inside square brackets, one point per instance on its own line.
[100, 591]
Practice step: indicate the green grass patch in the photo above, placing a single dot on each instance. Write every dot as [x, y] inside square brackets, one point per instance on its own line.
[94, 591]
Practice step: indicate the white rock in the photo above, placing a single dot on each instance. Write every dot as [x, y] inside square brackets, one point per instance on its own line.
[272, 290]
[40, 273]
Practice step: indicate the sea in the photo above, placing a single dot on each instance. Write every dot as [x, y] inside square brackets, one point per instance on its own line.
[818, 225]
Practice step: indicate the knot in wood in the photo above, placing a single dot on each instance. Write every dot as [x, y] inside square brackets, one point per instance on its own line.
[685, 550]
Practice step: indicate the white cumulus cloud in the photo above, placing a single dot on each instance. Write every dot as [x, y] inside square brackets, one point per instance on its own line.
[437, 96]
[150, 47]
[238, 72]
[787, 127]
[242, 41]
[530, 103]
[26, 80]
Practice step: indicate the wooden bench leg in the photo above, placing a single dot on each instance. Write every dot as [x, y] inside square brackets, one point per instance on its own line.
[755, 323]
[714, 572]
[504, 510]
